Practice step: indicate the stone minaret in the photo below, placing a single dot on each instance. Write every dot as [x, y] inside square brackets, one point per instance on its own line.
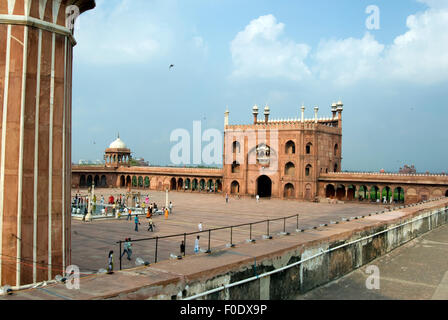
[36, 50]
[340, 108]
[255, 113]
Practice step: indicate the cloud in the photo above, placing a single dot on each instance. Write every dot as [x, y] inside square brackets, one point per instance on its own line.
[420, 55]
[105, 30]
[260, 51]
[349, 60]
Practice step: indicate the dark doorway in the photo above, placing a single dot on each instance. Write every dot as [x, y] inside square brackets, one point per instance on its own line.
[264, 187]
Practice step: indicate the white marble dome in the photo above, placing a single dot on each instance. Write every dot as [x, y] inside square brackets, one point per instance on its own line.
[118, 144]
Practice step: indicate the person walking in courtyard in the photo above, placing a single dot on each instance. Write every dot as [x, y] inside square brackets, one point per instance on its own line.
[171, 207]
[127, 248]
[129, 214]
[182, 248]
[227, 198]
[196, 245]
[258, 198]
[110, 263]
[150, 225]
[200, 226]
[136, 223]
[166, 213]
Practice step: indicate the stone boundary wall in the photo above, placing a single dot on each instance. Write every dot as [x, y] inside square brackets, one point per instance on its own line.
[323, 262]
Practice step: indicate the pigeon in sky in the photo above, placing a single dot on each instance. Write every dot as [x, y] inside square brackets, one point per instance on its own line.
[171, 66]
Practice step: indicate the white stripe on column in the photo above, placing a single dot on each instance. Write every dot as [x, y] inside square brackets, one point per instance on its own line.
[64, 158]
[20, 178]
[36, 157]
[11, 4]
[50, 153]
[5, 115]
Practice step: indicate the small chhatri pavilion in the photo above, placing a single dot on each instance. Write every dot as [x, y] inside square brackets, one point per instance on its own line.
[118, 154]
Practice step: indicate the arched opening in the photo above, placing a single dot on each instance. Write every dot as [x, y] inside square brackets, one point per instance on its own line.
[336, 150]
[187, 184]
[399, 195]
[335, 167]
[309, 147]
[235, 188]
[446, 193]
[363, 193]
[218, 185]
[140, 182]
[375, 194]
[288, 192]
[308, 170]
[122, 181]
[180, 184]
[330, 192]
[210, 186]
[202, 185]
[235, 167]
[134, 182]
[290, 169]
[103, 182]
[147, 182]
[290, 147]
[89, 181]
[340, 192]
[351, 192]
[194, 185]
[82, 181]
[264, 187]
[128, 181]
[173, 184]
[386, 194]
[308, 192]
[236, 147]
[97, 181]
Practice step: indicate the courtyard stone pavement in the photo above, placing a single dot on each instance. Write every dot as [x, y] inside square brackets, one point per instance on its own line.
[92, 241]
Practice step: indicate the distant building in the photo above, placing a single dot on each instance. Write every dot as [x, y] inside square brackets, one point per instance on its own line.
[408, 170]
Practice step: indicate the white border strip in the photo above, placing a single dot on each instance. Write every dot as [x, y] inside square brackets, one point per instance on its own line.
[20, 177]
[64, 158]
[5, 115]
[50, 154]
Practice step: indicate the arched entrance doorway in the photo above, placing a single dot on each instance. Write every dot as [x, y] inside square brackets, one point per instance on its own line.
[340, 192]
[235, 188]
[173, 184]
[122, 181]
[351, 193]
[289, 191]
[264, 187]
[330, 192]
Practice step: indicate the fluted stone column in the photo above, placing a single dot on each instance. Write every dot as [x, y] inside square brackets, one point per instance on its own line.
[36, 51]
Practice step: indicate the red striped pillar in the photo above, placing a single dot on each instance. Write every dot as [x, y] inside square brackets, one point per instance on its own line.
[36, 52]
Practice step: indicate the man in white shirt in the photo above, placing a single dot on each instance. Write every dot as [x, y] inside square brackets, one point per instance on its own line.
[200, 226]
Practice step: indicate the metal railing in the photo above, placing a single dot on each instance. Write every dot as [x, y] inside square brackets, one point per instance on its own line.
[210, 232]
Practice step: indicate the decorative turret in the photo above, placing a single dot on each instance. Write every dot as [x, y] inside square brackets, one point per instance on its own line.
[267, 112]
[255, 113]
[303, 113]
[316, 110]
[118, 154]
[226, 118]
[334, 109]
[340, 108]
